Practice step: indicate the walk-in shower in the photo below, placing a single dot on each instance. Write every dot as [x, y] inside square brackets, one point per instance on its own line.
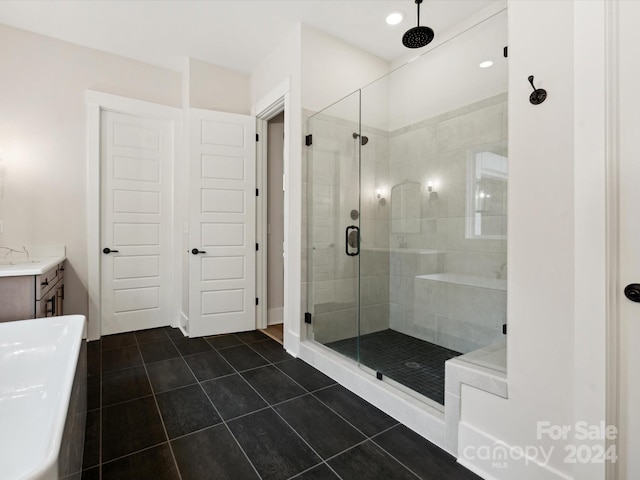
[418, 275]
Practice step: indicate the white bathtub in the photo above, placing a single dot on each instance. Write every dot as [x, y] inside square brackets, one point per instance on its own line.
[42, 398]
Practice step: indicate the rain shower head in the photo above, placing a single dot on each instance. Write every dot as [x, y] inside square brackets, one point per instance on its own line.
[417, 37]
[363, 140]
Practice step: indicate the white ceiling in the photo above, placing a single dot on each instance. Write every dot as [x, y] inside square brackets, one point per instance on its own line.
[236, 34]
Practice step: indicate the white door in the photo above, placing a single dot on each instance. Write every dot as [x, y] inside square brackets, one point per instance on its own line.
[136, 211]
[221, 223]
[629, 158]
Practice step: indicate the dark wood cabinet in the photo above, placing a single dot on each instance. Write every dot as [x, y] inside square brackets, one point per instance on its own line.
[32, 296]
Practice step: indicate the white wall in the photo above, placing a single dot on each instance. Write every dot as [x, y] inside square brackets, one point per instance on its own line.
[556, 242]
[275, 218]
[590, 190]
[448, 77]
[332, 69]
[281, 64]
[43, 135]
[314, 65]
[216, 88]
[278, 74]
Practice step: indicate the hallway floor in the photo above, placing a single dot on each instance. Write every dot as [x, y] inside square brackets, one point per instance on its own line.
[238, 407]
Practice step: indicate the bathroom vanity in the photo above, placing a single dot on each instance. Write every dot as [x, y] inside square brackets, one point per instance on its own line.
[31, 287]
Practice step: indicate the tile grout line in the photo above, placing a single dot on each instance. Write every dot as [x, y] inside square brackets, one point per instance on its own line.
[269, 405]
[342, 417]
[367, 437]
[299, 384]
[153, 394]
[393, 456]
[288, 424]
[370, 439]
[218, 412]
[134, 453]
[261, 341]
[336, 455]
[223, 421]
[155, 400]
[298, 475]
[239, 416]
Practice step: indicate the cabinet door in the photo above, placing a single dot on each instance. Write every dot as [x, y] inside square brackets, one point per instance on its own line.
[17, 298]
[47, 305]
[46, 282]
[60, 299]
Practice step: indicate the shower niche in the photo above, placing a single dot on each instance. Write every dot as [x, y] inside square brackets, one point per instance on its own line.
[405, 208]
[428, 282]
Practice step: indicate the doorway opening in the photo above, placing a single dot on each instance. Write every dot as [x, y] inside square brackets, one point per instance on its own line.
[271, 195]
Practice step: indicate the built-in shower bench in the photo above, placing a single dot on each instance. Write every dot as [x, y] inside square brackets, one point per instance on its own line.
[484, 369]
[467, 280]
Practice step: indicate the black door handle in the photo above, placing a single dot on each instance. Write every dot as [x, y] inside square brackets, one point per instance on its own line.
[195, 251]
[632, 292]
[107, 250]
[53, 306]
[352, 239]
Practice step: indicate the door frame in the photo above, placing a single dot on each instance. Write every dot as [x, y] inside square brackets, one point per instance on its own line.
[596, 194]
[273, 104]
[612, 228]
[96, 102]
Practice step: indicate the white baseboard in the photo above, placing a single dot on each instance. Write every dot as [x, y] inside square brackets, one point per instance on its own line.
[498, 460]
[275, 316]
[291, 342]
[183, 322]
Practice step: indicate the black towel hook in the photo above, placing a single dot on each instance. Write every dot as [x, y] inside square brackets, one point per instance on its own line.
[539, 95]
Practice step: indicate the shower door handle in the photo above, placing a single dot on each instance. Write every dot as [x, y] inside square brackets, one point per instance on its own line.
[352, 239]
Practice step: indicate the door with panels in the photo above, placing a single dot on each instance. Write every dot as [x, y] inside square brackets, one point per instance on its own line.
[222, 236]
[136, 216]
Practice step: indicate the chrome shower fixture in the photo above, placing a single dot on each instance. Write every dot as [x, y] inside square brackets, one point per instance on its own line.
[417, 37]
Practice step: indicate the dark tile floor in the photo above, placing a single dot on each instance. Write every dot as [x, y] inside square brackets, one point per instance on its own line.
[414, 363]
[238, 407]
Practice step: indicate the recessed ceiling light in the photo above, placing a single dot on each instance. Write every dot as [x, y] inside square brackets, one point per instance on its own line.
[486, 64]
[395, 18]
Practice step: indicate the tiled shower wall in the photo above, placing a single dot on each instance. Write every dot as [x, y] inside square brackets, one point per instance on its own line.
[461, 304]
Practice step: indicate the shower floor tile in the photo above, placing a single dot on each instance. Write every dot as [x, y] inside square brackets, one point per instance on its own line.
[241, 409]
[414, 363]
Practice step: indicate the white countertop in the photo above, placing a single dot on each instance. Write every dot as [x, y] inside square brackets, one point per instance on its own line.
[30, 259]
[31, 266]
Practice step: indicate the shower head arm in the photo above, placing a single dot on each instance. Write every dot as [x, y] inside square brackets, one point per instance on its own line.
[418, 2]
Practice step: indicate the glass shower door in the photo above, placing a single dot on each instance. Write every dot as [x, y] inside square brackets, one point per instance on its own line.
[435, 214]
[406, 191]
[333, 224]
